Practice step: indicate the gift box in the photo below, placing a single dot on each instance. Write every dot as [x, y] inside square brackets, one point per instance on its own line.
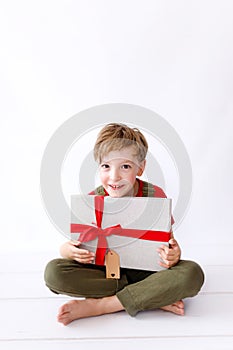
[133, 227]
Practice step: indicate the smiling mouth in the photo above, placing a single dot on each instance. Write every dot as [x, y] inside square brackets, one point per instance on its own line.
[115, 187]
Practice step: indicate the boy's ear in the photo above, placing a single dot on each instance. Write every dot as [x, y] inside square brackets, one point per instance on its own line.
[142, 167]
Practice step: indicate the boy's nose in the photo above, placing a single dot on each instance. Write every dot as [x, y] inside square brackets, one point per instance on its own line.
[114, 175]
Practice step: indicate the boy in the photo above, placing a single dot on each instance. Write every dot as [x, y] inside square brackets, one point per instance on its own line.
[121, 154]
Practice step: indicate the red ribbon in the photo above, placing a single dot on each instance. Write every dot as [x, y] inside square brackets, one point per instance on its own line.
[89, 233]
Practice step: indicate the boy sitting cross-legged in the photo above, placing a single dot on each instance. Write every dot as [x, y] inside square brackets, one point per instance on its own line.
[121, 154]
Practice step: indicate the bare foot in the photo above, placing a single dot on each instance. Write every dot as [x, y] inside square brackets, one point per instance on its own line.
[177, 308]
[76, 309]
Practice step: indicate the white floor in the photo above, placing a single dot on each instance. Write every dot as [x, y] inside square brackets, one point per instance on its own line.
[28, 315]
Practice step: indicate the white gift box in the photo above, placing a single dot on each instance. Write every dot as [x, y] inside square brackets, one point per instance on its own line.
[134, 227]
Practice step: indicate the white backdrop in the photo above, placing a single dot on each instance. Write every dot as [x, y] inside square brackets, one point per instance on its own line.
[173, 57]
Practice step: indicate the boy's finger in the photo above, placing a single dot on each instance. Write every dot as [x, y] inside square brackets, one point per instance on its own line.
[75, 242]
[164, 248]
[85, 253]
[163, 264]
[84, 261]
[167, 257]
[172, 242]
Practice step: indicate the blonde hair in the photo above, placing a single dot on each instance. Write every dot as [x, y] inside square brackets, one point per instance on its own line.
[114, 137]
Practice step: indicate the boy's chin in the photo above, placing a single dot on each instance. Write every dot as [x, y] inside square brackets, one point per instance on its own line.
[120, 193]
[115, 194]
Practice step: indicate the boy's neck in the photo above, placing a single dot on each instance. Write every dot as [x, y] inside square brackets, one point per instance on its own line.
[136, 186]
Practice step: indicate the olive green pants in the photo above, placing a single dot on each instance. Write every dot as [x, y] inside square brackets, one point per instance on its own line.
[137, 290]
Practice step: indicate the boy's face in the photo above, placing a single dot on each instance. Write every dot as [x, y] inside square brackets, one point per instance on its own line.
[118, 171]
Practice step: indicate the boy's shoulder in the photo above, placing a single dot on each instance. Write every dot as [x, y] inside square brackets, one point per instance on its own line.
[147, 189]
[99, 191]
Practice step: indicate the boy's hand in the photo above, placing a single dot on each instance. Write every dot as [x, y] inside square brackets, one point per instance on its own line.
[70, 250]
[169, 255]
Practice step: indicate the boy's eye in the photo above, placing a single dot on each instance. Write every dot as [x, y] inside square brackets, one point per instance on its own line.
[104, 166]
[126, 166]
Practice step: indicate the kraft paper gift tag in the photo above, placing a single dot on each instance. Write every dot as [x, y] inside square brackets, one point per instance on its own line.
[112, 262]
